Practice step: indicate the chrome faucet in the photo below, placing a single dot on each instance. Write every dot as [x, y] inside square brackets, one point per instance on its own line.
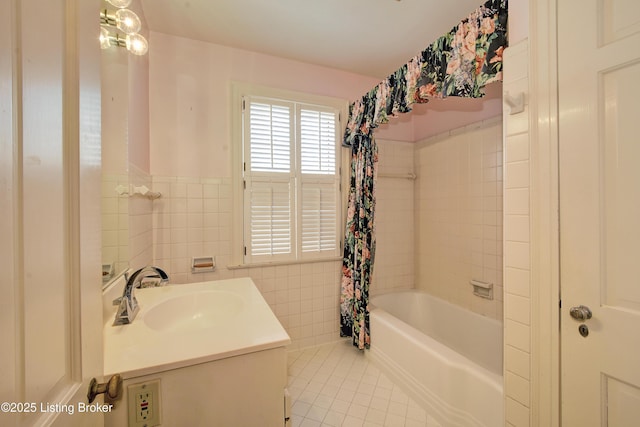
[127, 303]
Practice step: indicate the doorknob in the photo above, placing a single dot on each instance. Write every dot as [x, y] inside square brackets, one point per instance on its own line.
[112, 388]
[580, 312]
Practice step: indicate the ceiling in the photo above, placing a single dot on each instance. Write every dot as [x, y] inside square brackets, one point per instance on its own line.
[368, 37]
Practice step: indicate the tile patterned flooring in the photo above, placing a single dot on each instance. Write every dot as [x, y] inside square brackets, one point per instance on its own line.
[336, 385]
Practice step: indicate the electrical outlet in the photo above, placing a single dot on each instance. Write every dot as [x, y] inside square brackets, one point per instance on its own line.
[144, 404]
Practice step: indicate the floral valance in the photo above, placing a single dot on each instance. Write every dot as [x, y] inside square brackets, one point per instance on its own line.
[460, 63]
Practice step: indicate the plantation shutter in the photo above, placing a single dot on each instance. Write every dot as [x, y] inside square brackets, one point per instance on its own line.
[319, 181]
[291, 197]
[269, 182]
[317, 142]
[271, 225]
[270, 137]
[319, 217]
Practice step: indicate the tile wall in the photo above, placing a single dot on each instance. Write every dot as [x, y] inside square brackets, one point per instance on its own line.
[459, 215]
[115, 222]
[517, 267]
[194, 218]
[140, 221]
[394, 263]
[127, 238]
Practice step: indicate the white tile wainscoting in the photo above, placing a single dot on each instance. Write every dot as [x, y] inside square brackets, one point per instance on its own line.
[458, 215]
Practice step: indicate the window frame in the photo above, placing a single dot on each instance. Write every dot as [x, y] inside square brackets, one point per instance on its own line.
[242, 91]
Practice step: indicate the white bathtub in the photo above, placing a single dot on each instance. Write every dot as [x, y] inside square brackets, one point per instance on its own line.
[446, 358]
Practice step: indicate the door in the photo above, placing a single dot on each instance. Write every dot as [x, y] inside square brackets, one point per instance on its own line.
[50, 279]
[599, 155]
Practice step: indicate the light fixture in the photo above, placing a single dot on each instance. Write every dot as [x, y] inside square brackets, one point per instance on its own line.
[135, 43]
[120, 4]
[125, 21]
[107, 39]
[105, 36]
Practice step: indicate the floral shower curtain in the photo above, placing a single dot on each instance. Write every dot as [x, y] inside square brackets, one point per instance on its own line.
[360, 244]
[460, 63]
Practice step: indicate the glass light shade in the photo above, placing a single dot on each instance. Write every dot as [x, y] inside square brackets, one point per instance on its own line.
[137, 44]
[127, 21]
[120, 3]
[105, 43]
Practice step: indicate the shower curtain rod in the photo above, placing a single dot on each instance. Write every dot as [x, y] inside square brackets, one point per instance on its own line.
[412, 176]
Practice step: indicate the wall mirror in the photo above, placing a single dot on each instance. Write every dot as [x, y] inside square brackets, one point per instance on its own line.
[115, 162]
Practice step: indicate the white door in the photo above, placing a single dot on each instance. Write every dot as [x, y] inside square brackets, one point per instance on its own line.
[50, 313]
[599, 122]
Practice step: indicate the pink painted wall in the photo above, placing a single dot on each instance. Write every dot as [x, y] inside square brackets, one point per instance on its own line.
[138, 126]
[190, 99]
[115, 111]
[138, 89]
[518, 21]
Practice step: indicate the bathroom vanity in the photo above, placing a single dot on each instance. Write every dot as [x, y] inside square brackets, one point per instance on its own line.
[209, 353]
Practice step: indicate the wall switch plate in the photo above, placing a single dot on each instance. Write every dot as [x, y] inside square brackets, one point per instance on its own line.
[144, 404]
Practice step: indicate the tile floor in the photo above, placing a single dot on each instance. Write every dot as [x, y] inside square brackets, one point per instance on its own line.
[336, 385]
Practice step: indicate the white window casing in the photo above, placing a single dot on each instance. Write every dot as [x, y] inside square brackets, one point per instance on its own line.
[291, 180]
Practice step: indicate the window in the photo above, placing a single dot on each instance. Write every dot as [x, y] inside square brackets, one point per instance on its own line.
[291, 180]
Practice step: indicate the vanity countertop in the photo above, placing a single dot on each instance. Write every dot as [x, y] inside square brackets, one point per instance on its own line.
[183, 325]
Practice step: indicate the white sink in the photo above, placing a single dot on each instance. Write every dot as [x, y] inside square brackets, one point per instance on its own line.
[183, 325]
[193, 311]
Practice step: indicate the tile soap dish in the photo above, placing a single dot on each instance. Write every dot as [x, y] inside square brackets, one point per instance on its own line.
[482, 289]
[203, 264]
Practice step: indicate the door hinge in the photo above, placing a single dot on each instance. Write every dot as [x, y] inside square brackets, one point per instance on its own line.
[244, 184]
[245, 250]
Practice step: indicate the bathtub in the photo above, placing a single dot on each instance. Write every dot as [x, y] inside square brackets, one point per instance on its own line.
[446, 358]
